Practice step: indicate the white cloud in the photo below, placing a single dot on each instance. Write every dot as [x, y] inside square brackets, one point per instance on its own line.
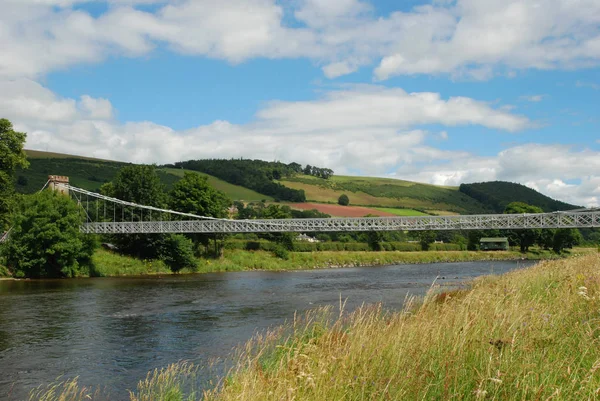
[474, 38]
[365, 128]
[533, 98]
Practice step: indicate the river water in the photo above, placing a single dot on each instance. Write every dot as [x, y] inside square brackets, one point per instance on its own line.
[112, 331]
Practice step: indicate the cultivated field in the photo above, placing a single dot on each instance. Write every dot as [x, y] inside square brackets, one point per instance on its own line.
[341, 211]
[385, 193]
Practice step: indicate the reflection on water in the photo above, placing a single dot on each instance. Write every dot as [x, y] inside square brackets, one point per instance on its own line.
[111, 332]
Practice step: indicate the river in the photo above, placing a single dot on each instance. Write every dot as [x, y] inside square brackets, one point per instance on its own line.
[112, 331]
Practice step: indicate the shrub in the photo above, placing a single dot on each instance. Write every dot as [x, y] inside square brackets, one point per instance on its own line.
[344, 200]
[45, 240]
[177, 252]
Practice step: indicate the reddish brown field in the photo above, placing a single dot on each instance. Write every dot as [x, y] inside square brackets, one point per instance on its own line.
[340, 211]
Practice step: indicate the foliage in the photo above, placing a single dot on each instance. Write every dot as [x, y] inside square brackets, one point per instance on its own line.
[324, 173]
[12, 157]
[45, 240]
[281, 252]
[565, 238]
[192, 194]
[526, 237]
[139, 184]
[374, 239]
[177, 252]
[343, 200]
[257, 175]
[426, 238]
[496, 195]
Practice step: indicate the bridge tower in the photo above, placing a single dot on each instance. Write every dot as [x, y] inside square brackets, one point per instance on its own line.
[59, 183]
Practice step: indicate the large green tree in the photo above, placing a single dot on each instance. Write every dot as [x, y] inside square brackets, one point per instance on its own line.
[526, 237]
[45, 240]
[565, 238]
[139, 184]
[11, 157]
[193, 194]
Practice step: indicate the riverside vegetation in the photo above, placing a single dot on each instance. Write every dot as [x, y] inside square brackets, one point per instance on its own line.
[528, 334]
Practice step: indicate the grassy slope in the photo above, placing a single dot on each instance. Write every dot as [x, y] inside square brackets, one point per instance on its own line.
[385, 192]
[90, 174]
[235, 192]
[498, 194]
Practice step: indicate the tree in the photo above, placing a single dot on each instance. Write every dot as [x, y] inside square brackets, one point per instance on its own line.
[565, 238]
[139, 184]
[526, 237]
[45, 240]
[11, 157]
[193, 194]
[343, 200]
[426, 238]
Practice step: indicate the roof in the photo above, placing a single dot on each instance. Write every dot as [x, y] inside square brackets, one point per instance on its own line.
[497, 239]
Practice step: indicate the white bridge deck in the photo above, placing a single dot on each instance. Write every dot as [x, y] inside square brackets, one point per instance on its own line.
[573, 219]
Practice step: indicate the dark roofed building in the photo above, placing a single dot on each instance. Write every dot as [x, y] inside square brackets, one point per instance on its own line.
[494, 244]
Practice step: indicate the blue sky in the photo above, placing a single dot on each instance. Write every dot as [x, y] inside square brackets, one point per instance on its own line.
[439, 92]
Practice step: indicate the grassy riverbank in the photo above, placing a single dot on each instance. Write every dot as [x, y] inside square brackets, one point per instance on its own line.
[110, 264]
[528, 334]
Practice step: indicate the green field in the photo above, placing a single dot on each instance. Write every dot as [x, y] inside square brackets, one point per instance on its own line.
[386, 193]
[234, 192]
[401, 212]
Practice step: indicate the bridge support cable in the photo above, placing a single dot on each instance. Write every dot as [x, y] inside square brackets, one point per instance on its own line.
[190, 223]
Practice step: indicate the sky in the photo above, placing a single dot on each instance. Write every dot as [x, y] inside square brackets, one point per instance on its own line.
[442, 92]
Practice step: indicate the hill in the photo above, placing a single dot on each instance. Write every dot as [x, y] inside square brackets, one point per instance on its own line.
[386, 192]
[90, 174]
[387, 195]
[497, 194]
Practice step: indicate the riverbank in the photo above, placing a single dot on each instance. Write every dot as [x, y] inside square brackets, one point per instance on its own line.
[110, 264]
[528, 334]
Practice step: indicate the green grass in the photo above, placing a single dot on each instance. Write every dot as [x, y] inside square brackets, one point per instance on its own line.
[385, 192]
[234, 192]
[401, 212]
[106, 263]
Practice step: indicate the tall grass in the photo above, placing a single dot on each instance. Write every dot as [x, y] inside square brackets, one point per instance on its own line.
[532, 334]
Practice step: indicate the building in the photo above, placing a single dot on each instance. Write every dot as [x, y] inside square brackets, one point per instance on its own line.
[493, 244]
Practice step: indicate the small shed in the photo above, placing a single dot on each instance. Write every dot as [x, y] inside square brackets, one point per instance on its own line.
[494, 244]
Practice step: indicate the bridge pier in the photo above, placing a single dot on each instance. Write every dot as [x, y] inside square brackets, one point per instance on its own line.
[59, 183]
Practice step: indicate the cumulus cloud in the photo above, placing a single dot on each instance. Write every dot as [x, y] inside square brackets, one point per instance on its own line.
[364, 128]
[474, 38]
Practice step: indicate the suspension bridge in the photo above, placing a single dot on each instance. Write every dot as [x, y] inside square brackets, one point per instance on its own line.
[107, 215]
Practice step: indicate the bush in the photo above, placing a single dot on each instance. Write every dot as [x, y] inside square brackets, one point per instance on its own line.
[281, 252]
[45, 240]
[177, 252]
[344, 200]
